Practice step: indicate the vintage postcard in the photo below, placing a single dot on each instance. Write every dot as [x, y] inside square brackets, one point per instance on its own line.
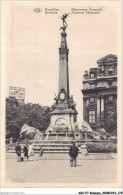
[61, 94]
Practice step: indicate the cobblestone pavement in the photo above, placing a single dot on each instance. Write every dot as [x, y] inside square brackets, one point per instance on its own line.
[42, 170]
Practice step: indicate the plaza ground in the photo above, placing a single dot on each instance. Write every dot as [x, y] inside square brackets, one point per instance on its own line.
[54, 168]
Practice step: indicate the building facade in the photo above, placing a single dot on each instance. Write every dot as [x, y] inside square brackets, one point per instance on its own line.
[18, 93]
[100, 92]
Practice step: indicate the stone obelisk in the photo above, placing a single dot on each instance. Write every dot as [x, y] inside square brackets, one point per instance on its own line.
[63, 63]
[64, 116]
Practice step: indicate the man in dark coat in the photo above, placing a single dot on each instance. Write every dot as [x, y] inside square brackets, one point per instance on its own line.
[73, 152]
[18, 152]
[25, 150]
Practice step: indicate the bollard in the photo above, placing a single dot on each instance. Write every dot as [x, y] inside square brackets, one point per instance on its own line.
[84, 150]
[11, 140]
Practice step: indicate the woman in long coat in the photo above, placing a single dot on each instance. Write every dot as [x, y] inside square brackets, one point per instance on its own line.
[30, 150]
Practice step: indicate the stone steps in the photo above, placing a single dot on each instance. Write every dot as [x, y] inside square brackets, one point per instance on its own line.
[49, 146]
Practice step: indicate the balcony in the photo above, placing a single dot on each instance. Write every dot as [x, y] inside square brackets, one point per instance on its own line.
[89, 78]
[89, 86]
[101, 76]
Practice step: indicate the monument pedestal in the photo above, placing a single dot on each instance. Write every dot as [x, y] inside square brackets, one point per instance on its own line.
[62, 120]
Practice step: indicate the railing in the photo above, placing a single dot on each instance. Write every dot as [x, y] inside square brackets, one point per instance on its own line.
[88, 87]
[99, 76]
[106, 75]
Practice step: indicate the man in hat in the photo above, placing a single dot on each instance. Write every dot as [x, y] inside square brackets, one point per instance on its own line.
[73, 152]
[25, 150]
[18, 152]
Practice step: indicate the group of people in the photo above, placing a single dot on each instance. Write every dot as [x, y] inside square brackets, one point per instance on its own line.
[28, 151]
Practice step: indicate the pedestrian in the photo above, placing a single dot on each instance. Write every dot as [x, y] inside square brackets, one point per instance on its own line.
[41, 151]
[25, 150]
[30, 150]
[73, 152]
[18, 152]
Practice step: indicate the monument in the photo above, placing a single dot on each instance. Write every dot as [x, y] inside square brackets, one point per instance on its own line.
[64, 116]
[63, 126]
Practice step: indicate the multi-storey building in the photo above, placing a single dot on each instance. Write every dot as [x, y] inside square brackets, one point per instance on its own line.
[18, 93]
[100, 91]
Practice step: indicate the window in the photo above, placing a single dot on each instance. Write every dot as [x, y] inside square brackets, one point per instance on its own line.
[110, 83]
[111, 115]
[92, 116]
[86, 85]
[92, 85]
[110, 98]
[102, 68]
[92, 99]
[110, 71]
[92, 75]
[106, 71]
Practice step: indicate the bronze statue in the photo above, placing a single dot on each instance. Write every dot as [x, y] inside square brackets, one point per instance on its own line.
[63, 19]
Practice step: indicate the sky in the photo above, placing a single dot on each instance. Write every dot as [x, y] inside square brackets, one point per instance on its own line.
[32, 42]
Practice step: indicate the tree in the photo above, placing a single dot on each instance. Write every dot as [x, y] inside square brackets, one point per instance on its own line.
[19, 114]
[108, 120]
[13, 122]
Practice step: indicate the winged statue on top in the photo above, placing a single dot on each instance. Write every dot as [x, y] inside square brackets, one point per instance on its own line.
[64, 21]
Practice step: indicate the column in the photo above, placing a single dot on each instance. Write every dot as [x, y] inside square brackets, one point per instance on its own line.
[102, 104]
[87, 102]
[98, 106]
[84, 109]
